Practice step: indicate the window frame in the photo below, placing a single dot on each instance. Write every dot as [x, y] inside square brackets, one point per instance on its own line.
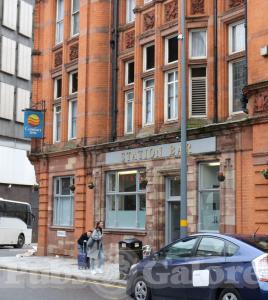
[55, 195]
[145, 57]
[129, 13]
[230, 37]
[167, 38]
[191, 94]
[70, 120]
[59, 21]
[56, 138]
[56, 88]
[126, 112]
[191, 42]
[73, 13]
[71, 82]
[166, 96]
[144, 101]
[127, 63]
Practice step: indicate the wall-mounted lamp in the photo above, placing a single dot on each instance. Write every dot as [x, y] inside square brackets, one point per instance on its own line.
[36, 187]
[221, 176]
[72, 187]
[91, 185]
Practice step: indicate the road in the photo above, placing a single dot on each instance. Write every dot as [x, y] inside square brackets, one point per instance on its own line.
[11, 251]
[19, 285]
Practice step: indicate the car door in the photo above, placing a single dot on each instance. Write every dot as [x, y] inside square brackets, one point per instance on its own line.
[207, 268]
[169, 270]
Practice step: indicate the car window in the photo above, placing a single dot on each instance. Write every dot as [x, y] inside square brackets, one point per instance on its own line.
[210, 246]
[179, 249]
[230, 248]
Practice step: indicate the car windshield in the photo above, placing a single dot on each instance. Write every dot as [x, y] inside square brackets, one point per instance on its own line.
[259, 242]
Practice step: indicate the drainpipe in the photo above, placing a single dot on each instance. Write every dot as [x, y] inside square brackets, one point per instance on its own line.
[215, 118]
[114, 46]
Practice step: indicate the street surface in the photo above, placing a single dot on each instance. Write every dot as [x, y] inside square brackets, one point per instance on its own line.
[19, 285]
[11, 251]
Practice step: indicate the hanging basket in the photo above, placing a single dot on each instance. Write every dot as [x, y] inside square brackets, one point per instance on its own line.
[221, 177]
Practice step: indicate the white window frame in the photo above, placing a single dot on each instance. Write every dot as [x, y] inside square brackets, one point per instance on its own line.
[166, 96]
[127, 71]
[59, 21]
[191, 40]
[190, 92]
[72, 20]
[130, 16]
[145, 57]
[144, 101]
[56, 88]
[55, 114]
[126, 112]
[230, 69]
[71, 82]
[230, 35]
[167, 49]
[70, 120]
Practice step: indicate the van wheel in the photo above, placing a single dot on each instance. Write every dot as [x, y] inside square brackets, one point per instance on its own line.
[229, 294]
[21, 241]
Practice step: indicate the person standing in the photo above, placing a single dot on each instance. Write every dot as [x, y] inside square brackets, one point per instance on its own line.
[81, 242]
[95, 249]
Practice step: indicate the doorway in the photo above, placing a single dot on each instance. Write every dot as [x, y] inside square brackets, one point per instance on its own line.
[173, 204]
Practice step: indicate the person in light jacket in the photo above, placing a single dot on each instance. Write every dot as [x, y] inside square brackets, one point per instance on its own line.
[95, 249]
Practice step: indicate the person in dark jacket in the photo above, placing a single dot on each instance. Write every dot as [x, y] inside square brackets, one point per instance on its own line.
[82, 241]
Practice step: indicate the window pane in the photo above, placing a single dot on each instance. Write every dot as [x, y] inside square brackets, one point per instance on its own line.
[209, 211]
[238, 37]
[76, 23]
[130, 5]
[111, 203]
[127, 202]
[230, 248]
[73, 118]
[175, 187]
[239, 81]
[127, 182]
[130, 74]
[209, 176]
[111, 182]
[58, 88]
[173, 49]
[180, 249]
[60, 9]
[75, 5]
[129, 116]
[142, 180]
[65, 186]
[74, 82]
[199, 44]
[211, 247]
[150, 57]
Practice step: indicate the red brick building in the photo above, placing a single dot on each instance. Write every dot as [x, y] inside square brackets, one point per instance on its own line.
[111, 149]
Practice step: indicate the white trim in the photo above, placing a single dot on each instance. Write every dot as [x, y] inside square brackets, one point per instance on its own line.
[167, 49]
[166, 96]
[145, 57]
[230, 37]
[126, 112]
[190, 43]
[144, 102]
[72, 20]
[190, 92]
[127, 70]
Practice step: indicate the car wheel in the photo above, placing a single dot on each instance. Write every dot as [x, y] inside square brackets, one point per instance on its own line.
[20, 242]
[141, 290]
[229, 294]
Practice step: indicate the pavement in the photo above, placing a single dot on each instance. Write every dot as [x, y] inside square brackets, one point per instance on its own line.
[59, 266]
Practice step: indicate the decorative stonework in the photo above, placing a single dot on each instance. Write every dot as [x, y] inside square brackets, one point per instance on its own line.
[261, 102]
[130, 39]
[171, 11]
[198, 7]
[149, 20]
[234, 3]
[73, 52]
[58, 59]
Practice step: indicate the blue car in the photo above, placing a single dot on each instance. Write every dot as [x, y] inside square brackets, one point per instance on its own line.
[204, 267]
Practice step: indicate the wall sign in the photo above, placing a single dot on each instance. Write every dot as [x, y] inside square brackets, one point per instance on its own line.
[33, 124]
[161, 151]
[61, 233]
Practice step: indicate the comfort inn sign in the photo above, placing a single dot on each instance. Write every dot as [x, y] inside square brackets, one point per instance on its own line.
[205, 145]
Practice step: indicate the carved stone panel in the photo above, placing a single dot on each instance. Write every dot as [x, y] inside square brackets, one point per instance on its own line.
[73, 52]
[198, 7]
[261, 102]
[149, 20]
[171, 10]
[234, 3]
[58, 59]
[130, 39]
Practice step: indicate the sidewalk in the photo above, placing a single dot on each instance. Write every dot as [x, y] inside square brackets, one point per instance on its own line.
[63, 267]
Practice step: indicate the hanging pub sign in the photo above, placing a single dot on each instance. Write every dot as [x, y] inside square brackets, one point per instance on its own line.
[33, 123]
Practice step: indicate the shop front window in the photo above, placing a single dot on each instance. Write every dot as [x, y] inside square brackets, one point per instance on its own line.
[125, 199]
[209, 197]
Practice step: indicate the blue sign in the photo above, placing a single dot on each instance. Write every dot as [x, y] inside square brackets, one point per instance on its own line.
[33, 124]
